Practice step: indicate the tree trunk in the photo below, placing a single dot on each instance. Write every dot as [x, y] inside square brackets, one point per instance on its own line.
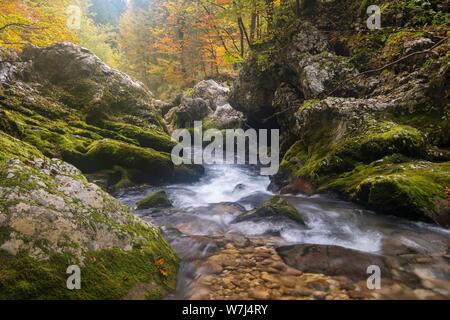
[253, 26]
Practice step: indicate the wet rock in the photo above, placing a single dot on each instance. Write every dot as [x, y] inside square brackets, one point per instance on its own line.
[276, 207]
[331, 260]
[255, 200]
[155, 200]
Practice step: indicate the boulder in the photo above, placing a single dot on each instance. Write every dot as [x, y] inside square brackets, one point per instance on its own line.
[51, 217]
[211, 91]
[70, 105]
[331, 260]
[208, 103]
[190, 110]
[155, 200]
[276, 207]
[225, 117]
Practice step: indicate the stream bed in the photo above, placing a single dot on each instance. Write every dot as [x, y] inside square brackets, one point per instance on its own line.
[280, 259]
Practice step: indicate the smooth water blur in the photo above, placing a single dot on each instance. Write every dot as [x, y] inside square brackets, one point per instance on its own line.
[329, 220]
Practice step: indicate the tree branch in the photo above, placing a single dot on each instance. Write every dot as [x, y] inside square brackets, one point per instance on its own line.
[15, 25]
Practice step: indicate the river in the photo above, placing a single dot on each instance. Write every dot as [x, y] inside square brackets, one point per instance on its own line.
[218, 256]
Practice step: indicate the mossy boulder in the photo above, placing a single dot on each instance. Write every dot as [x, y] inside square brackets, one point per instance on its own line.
[275, 207]
[399, 186]
[155, 200]
[104, 154]
[51, 217]
[358, 148]
[147, 138]
[85, 111]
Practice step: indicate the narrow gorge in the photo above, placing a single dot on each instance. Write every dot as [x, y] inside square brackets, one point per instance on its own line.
[87, 178]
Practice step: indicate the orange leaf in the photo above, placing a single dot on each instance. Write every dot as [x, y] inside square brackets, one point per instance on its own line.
[159, 262]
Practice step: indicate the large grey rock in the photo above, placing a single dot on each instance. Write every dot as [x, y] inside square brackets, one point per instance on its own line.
[209, 102]
[211, 91]
[49, 208]
[225, 117]
[190, 110]
[74, 76]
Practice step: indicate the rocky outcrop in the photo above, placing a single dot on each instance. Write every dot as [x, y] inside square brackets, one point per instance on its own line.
[377, 135]
[63, 103]
[375, 151]
[304, 60]
[208, 103]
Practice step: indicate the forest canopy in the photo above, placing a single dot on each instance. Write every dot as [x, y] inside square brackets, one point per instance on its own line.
[168, 44]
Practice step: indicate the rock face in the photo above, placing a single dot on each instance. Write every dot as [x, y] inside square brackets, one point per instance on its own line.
[51, 217]
[379, 137]
[276, 207]
[209, 103]
[70, 105]
[303, 60]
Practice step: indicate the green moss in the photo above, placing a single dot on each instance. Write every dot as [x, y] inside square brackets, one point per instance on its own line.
[79, 93]
[107, 274]
[308, 103]
[277, 206]
[321, 155]
[9, 125]
[109, 153]
[145, 137]
[155, 200]
[123, 180]
[13, 148]
[399, 186]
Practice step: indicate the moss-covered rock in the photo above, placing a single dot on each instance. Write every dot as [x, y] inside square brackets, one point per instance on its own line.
[399, 186]
[148, 138]
[51, 217]
[356, 147]
[107, 153]
[64, 113]
[155, 200]
[275, 207]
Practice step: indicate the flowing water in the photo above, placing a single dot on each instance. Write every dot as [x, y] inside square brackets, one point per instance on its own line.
[201, 225]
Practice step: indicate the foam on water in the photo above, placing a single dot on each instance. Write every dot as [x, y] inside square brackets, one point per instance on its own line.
[329, 221]
[221, 183]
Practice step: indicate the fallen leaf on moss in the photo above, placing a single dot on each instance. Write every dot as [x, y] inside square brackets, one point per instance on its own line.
[159, 262]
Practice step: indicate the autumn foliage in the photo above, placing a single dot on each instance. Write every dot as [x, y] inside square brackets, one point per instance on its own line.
[167, 44]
